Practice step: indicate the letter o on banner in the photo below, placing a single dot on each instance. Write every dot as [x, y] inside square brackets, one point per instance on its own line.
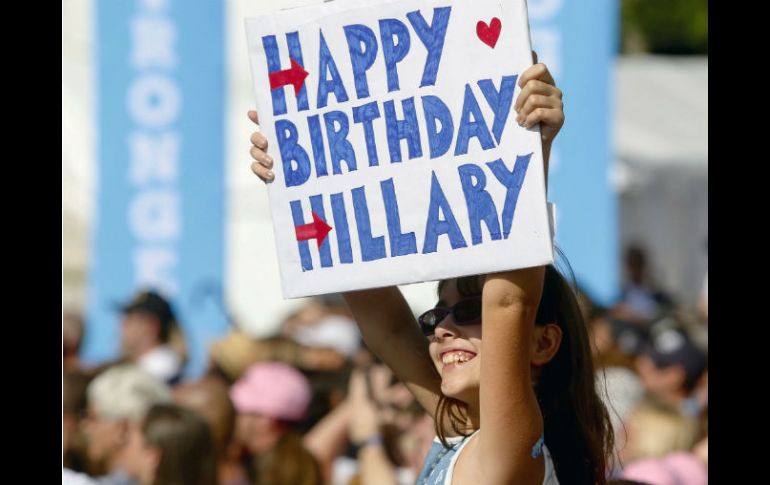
[154, 101]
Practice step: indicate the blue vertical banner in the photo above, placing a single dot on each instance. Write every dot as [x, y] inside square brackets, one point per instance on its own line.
[159, 219]
[578, 42]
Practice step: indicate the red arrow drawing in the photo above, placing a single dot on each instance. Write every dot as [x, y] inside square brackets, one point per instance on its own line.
[318, 229]
[295, 75]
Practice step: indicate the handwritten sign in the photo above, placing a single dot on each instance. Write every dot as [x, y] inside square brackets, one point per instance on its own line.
[397, 155]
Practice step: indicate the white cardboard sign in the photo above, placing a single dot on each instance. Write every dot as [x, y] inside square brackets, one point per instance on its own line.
[398, 158]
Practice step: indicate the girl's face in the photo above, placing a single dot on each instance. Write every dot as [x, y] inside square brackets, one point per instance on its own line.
[456, 351]
[103, 436]
[256, 432]
[140, 460]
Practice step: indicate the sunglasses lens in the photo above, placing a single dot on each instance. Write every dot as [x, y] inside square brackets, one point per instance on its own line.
[468, 310]
[431, 318]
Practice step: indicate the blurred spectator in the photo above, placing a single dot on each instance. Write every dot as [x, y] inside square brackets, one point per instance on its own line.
[314, 310]
[387, 423]
[209, 398]
[703, 300]
[629, 339]
[325, 322]
[329, 390]
[672, 368]
[621, 390]
[332, 332]
[389, 433]
[615, 342]
[680, 468]
[74, 406]
[701, 450]
[641, 300]
[375, 464]
[172, 447]
[233, 354]
[69, 477]
[72, 337]
[118, 400]
[655, 429]
[269, 398]
[703, 303]
[148, 331]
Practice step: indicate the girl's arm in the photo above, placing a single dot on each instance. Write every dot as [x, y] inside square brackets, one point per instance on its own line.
[509, 411]
[329, 437]
[390, 331]
[508, 404]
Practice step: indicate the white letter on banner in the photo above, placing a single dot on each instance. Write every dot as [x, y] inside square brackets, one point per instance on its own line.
[153, 157]
[155, 5]
[155, 216]
[154, 267]
[154, 101]
[153, 41]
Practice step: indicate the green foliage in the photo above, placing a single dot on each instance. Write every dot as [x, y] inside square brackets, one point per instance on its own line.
[665, 26]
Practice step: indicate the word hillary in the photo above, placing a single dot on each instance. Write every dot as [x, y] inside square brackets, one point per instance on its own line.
[440, 219]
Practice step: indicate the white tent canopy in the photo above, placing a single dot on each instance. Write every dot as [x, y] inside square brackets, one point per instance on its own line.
[661, 169]
[662, 110]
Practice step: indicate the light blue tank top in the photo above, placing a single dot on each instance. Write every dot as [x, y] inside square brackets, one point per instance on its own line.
[439, 463]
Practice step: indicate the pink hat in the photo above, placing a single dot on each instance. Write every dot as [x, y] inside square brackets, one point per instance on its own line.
[272, 389]
[679, 468]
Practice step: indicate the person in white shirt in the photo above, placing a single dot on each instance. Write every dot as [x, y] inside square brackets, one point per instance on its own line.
[118, 400]
[146, 330]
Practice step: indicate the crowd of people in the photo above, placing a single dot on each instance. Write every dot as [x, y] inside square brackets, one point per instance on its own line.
[312, 405]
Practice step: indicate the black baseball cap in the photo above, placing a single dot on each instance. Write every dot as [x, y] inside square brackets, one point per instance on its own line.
[672, 346]
[153, 303]
[631, 338]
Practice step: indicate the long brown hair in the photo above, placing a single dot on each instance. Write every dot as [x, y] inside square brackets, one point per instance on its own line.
[187, 449]
[287, 463]
[578, 432]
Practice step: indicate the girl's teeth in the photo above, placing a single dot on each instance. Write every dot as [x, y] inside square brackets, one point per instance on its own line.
[456, 358]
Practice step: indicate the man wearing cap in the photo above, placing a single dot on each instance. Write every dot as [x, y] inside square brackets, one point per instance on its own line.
[118, 400]
[671, 368]
[146, 329]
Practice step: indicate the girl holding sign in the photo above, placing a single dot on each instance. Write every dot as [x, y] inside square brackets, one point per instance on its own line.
[543, 422]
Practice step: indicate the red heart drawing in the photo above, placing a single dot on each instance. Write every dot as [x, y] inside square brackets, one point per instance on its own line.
[489, 33]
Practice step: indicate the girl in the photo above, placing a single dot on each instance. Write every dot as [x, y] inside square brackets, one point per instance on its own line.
[543, 421]
[173, 447]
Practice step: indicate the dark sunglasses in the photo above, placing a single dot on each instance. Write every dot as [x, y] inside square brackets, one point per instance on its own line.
[465, 312]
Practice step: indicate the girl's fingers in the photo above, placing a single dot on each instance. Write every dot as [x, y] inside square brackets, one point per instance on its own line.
[259, 140]
[553, 117]
[261, 157]
[539, 72]
[535, 87]
[262, 172]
